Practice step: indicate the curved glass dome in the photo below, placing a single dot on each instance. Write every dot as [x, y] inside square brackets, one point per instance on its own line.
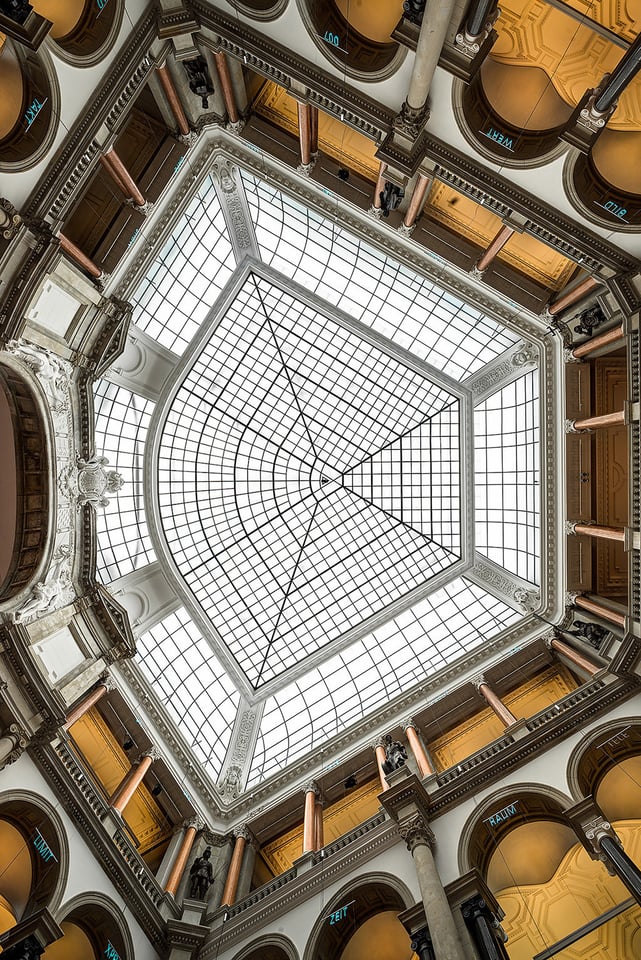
[316, 479]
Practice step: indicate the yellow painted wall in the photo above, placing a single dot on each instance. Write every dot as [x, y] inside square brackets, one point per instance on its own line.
[529, 698]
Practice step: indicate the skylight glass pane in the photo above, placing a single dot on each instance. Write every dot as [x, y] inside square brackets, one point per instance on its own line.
[189, 680]
[434, 632]
[507, 477]
[414, 312]
[122, 419]
[306, 479]
[184, 280]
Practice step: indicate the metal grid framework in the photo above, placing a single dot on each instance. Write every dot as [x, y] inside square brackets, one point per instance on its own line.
[413, 312]
[507, 477]
[122, 421]
[197, 692]
[306, 480]
[188, 274]
[302, 716]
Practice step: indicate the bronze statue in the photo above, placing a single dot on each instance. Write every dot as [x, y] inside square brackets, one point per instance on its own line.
[201, 876]
[395, 755]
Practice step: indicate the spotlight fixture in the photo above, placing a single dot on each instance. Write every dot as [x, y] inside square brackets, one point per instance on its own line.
[343, 173]
[128, 744]
[156, 791]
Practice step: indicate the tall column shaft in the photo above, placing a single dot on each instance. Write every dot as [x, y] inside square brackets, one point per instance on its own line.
[425, 768]
[602, 533]
[85, 705]
[7, 744]
[69, 247]
[126, 789]
[380, 760]
[418, 199]
[603, 340]
[440, 922]
[122, 177]
[624, 867]
[178, 868]
[309, 822]
[173, 99]
[233, 874]
[573, 296]
[226, 86]
[305, 132]
[578, 659]
[313, 130]
[605, 420]
[436, 20]
[319, 831]
[505, 716]
[593, 606]
[478, 15]
[380, 186]
[625, 70]
[495, 246]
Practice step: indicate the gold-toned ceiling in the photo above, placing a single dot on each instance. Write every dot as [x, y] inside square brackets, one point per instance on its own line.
[64, 14]
[11, 85]
[620, 16]
[374, 19]
[382, 937]
[74, 945]
[619, 793]
[574, 57]
[15, 874]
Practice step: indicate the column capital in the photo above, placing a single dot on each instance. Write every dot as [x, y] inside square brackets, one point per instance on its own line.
[108, 682]
[416, 831]
[571, 598]
[569, 427]
[378, 742]
[193, 823]
[312, 787]
[243, 833]
[410, 121]
[153, 753]
[569, 357]
[478, 680]
[409, 722]
[590, 826]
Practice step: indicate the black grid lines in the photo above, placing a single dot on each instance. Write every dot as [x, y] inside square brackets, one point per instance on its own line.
[507, 477]
[122, 420]
[186, 277]
[303, 715]
[413, 312]
[260, 480]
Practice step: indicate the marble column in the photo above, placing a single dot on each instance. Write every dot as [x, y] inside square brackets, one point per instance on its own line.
[420, 841]
[309, 821]
[599, 610]
[502, 712]
[625, 868]
[182, 856]
[173, 99]
[423, 763]
[494, 247]
[595, 423]
[75, 253]
[595, 343]
[128, 786]
[595, 530]
[380, 186]
[573, 296]
[305, 133]
[478, 14]
[226, 86]
[319, 830]
[13, 738]
[233, 874]
[419, 193]
[122, 178]
[625, 71]
[602, 843]
[573, 655]
[436, 20]
[381, 757]
[89, 701]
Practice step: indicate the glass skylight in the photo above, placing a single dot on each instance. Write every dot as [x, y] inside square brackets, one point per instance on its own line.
[412, 311]
[185, 674]
[184, 280]
[306, 479]
[507, 477]
[409, 648]
[122, 419]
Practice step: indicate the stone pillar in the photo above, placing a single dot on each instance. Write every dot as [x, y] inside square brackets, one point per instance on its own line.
[313, 130]
[505, 716]
[594, 530]
[494, 247]
[304, 133]
[233, 874]
[226, 86]
[89, 701]
[319, 826]
[421, 187]
[477, 16]
[420, 841]
[309, 822]
[595, 343]
[578, 659]
[380, 186]
[122, 178]
[182, 856]
[75, 253]
[128, 786]
[436, 20]
[247, 868]
[422, 945]
[482, 924]
[173, 99]
[379, 750]
[597, 608]
[573, 296]
[625, 70]
[423, 763]
[625, 869]
[595, 423]
[602, 843]
[13, 741]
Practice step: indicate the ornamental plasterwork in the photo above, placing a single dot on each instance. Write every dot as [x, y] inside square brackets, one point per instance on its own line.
[504, 585]
[503, 370]
[235, 208]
